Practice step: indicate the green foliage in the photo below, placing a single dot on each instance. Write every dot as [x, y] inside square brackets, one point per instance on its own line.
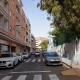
[44, 44]
[66, 18]
[62, 35]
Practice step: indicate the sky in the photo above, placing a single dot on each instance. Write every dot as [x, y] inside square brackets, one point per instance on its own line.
[38, 19]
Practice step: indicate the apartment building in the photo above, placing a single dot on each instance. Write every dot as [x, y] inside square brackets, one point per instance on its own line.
[15, 28]
[28, 35]
[33, 44]
[39, 40]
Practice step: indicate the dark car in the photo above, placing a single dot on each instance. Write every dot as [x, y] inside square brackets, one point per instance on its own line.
[37, 54]
[44, 54]
[52, 58]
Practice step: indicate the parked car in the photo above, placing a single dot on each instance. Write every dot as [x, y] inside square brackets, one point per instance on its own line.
[52, 58]
[37, 54]
[8, 60]
[25, 55]
[44, 54]
[20, 57]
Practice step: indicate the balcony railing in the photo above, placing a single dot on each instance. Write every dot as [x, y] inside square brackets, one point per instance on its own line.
[3, 11]
[19, 3]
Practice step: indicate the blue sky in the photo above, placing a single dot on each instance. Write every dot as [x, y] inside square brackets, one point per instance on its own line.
[39, 24]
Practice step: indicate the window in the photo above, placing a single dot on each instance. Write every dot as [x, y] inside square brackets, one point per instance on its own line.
[0, 21]
[27, 33]
[18, 29]
[26, 40]
[12, 25]
[6, 24]
[51, 54]
[4, 48]
[17, 9]
[5, 2]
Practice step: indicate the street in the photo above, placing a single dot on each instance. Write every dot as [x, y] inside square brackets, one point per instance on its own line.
[39, 39]
[35, 69]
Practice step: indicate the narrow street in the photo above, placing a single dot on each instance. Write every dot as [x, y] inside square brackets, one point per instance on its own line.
[39, 39]
[35, 69]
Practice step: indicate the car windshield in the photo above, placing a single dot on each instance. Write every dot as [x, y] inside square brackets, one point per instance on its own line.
[51, 54]
[6, 55]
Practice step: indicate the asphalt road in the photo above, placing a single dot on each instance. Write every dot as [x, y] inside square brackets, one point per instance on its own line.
[35, 69]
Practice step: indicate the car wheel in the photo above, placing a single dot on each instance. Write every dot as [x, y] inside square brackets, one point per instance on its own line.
[61, 64]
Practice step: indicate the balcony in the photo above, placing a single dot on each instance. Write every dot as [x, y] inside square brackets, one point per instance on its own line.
[4, 7]
[1, 21]
[19, 3]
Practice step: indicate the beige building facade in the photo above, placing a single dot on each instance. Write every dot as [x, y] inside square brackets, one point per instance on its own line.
[38, 42]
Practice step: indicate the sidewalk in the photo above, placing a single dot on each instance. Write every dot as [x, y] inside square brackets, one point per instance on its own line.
[73, 70]
[70, 72]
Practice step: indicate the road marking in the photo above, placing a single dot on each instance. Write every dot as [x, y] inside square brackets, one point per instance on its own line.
[33, 60]
[22, 77]
[43, 60]
[39, 60]
[37, 77]
[31, 72]
[3, 74]
[28, 60]
[53, 77]
[7, 78]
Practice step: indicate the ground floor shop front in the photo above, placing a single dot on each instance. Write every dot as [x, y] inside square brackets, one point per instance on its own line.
[9, 47]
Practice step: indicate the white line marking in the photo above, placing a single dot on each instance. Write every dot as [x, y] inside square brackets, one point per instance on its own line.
[37, 77]
[31, 72]
[33, 60]
[39, 60]
[7, 78]
[3, 74]
[53, 77]
[22, 77]
[43, 60]
[28, 60]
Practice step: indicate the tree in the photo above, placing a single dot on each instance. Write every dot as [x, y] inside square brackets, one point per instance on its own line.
[66, 17]
[44, 44]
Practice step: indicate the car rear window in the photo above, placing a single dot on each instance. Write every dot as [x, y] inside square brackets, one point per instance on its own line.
[52, 54]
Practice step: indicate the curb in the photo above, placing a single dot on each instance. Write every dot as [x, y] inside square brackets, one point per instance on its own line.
[67, 65]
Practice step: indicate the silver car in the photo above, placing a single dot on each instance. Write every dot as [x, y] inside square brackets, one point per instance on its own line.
[52, 58]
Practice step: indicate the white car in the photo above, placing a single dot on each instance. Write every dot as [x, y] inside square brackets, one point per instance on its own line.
[8, 60]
